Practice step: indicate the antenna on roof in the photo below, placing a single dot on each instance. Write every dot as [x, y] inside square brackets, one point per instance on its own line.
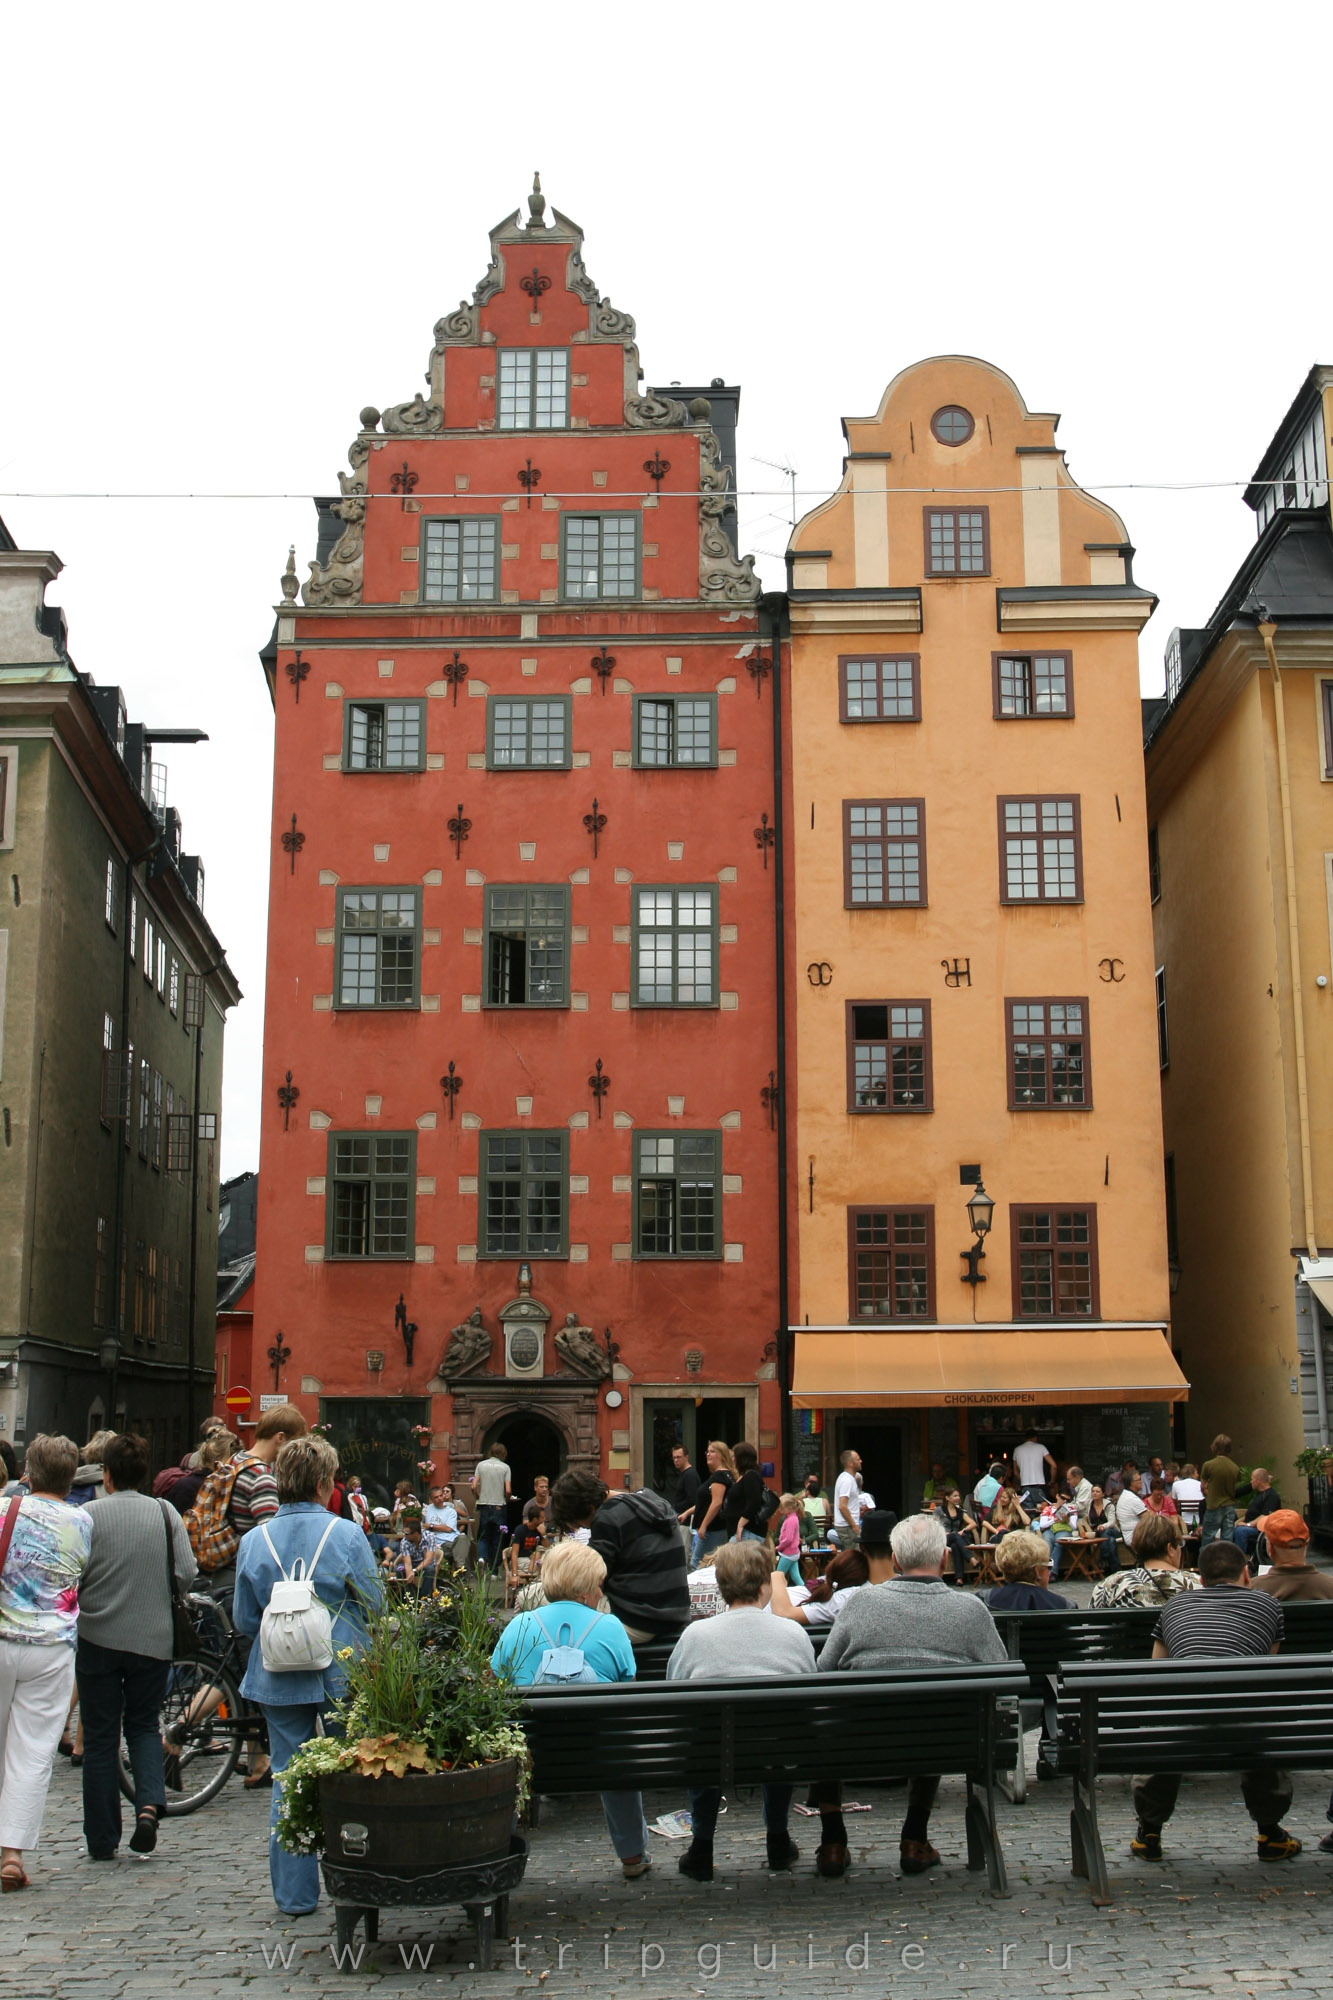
[788, 472]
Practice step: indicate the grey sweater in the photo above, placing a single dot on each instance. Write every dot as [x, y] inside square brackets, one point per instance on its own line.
[910, 1622]
[123, 1601]
[739, 1645]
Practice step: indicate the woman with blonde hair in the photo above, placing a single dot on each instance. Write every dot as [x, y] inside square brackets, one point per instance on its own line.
[1024, 1563]
[568, 1639]
[719, 1475]
[1006, 1516]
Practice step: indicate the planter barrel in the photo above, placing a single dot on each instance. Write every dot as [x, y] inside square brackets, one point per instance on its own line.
[418, 1824]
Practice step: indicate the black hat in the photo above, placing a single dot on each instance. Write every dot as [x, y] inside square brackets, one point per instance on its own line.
[876, 1527]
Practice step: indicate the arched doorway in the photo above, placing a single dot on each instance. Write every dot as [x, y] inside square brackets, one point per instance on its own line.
[534, 1446]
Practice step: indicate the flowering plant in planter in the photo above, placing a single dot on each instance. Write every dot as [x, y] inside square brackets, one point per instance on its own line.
[420, 1699]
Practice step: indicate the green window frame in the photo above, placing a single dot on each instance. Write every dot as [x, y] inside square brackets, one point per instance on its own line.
[677, 1195]
[528, 732]
[370, 1208]
[675, 732]
[378, 955]
[380, 736]
[600, 556]
[674, 945]
[460, 559]
[532, 389]
[523, 1194]
[525, 944]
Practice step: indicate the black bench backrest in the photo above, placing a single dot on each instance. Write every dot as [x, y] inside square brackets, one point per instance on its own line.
[1196, 1715]
[629, 1736]
[1042, 1639]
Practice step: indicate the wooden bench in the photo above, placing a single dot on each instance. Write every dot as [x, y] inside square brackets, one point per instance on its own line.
[858, 1727]
[1205, 1715]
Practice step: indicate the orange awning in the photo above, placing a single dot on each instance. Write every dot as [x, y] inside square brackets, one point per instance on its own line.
[888, 1370]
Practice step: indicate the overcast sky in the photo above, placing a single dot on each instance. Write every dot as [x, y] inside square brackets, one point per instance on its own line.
[226, 230]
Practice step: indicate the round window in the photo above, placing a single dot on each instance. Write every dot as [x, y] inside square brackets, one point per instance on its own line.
[952, 424]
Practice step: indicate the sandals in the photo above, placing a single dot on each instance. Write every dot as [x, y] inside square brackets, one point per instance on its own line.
[13, 1876]
[144, 1838]
[258, 1783]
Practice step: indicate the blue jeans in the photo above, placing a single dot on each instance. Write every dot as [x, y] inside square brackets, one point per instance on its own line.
[118, 1690]
[705, 1544]
[1110, 1549]
[1219, 1521]
[1245, 1534]
[623, 1812]
[490, 1523]
[295, 1877]
[704, 1808]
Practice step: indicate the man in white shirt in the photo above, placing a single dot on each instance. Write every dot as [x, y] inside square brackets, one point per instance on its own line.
[847, 1500]
[490, 1483]
[440, 1518]
[1034, 1466]
[1129, 1506]
[1187, 1492]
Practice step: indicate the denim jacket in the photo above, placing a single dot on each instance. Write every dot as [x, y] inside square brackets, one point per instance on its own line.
[346, 1572]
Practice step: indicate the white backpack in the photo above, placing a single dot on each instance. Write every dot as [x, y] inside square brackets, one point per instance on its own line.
[296, 1630]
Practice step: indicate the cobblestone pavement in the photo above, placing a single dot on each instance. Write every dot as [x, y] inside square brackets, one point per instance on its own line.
[197, 1919]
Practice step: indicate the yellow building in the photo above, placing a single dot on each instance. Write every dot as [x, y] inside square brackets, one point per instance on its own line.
[973, 948]
[1240, 801]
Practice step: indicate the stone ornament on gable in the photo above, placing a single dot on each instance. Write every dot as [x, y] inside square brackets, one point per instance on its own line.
[722, 574]
[340, 582]
[469, 1346]
[414, 418]
[456, 328]
[655, 413]
[493, 281]
[580, 1349]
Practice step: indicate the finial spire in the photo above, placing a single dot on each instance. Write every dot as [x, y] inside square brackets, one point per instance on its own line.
[536, 204]
[290, 585]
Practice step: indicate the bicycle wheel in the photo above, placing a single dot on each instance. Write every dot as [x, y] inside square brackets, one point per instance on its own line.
[202, 1711]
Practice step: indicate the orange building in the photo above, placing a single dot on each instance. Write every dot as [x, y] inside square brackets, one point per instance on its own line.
[518, 1175]
[975, 997]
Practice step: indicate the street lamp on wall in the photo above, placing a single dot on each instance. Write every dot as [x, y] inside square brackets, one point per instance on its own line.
[980, 1210]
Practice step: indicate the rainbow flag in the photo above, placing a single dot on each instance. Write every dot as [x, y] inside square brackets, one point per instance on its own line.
[812, 1423]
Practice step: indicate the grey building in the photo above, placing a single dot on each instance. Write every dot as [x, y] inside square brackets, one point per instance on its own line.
[113, 998]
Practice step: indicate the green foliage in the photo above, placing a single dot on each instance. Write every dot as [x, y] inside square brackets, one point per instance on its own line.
[1313, 1459]
[420, 1697]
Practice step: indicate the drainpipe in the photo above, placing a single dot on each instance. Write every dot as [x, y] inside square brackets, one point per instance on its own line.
[775, 608]
[1268, 633]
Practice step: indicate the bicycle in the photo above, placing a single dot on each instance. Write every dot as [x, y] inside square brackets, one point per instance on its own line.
[205, 1719]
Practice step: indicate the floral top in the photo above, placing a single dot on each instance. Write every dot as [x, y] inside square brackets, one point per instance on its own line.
[1150, 1587]
[39, 1587]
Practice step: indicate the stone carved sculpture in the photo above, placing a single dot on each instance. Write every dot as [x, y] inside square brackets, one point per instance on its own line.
[340, 582]
[456, 328]
[578, 281]
[493, 280]
[722, 574]
[580, 1349]
[415, 418]
[655, 413]
[606, 323]
[469, 1346]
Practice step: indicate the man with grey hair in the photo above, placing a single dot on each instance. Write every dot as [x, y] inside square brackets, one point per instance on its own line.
[905, 1617]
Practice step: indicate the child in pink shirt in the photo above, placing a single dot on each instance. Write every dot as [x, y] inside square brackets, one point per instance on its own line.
[789, 1538]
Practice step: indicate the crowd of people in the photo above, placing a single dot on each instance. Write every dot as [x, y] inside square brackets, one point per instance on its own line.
[93, 1564]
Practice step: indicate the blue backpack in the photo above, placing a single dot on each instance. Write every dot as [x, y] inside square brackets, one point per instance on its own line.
[564, 1663]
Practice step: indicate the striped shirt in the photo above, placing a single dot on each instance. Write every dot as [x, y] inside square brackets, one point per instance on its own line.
[1221, 1619]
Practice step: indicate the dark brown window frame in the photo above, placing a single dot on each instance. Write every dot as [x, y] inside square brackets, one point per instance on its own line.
[1326, 712]
[1154, 865]
[1039, 653]
[891, 1208]
[1047, 1000]
[1040, 799]
[1018, 1209]
[947, 409]
[889, 1110]
[923, 899]
[956, 575]
[846, 659]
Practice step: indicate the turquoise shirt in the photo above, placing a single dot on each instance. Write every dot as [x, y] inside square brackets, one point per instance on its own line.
[604, 1640]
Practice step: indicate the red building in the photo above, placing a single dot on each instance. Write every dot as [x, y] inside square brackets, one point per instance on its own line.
[522, 1182]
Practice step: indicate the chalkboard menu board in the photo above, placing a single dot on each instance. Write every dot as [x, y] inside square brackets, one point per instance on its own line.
[1113, 1432]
